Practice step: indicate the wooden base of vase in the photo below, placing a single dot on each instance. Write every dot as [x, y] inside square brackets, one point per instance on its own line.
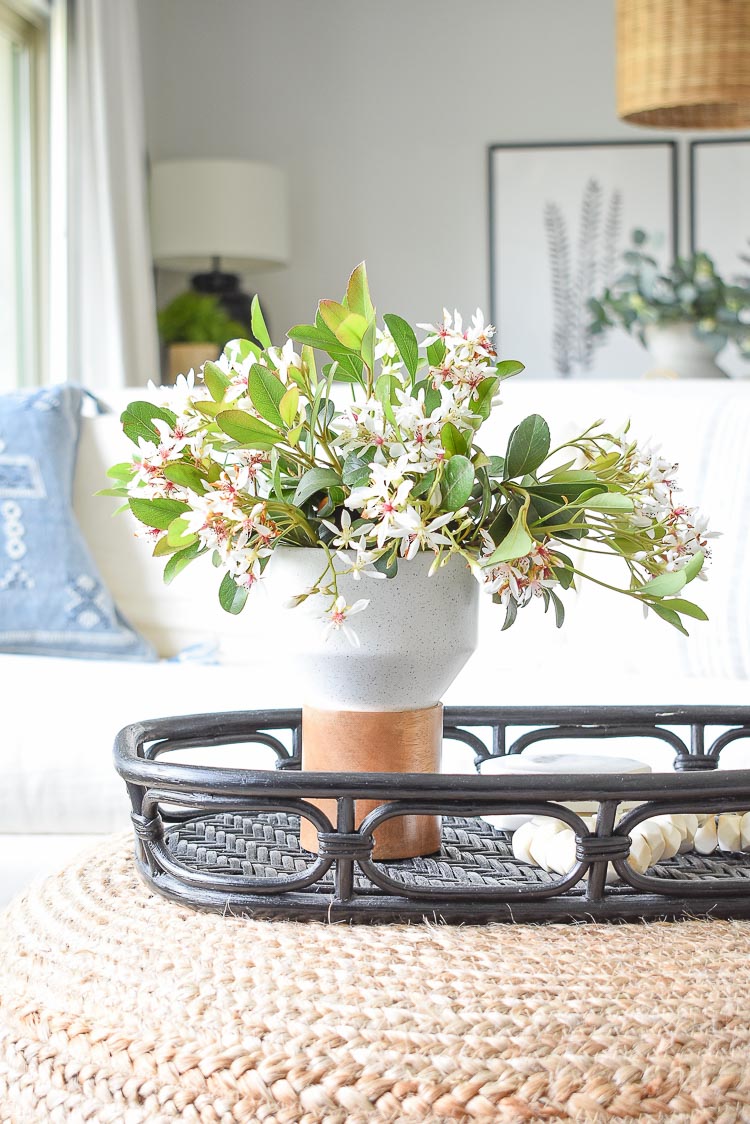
[354, 741]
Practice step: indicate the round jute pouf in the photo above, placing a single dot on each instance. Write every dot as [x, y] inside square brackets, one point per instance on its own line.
[116, 1005]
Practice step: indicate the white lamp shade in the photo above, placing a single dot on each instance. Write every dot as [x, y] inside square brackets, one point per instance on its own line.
[235, 210]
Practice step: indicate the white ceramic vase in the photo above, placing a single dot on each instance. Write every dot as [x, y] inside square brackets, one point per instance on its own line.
[680, 352]
[375, 707]
[415, 635]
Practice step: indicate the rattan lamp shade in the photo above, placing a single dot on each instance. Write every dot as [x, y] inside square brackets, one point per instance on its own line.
[684, 64]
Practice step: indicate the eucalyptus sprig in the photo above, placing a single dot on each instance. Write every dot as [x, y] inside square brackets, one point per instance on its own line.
[364, 443]
[690, 291]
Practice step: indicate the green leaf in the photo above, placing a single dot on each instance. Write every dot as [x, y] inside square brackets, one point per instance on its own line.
[511, 612]
[481, 403]
[694, 566]
[387, 564]
[288, 405]
[564, 573]
[507, 368]
[137, 421]
[321, 337]
[216, 381]
[123, 471]
[516, 543]
[567, 486]
[358, 293]
[162, 548]
[232, 597]
[185, 475]
[611, 503]
[559, 608]
[315, 480]
[528, 446]
[247, 430]
[209, 409]
[405, 340]
[672, 582]
[258, 324]
[670, 616]
[356, 471]
[178, 534]
[384, 386]
[422, 486]
[664, 585]
[496, 467]
[157, 513]
[453, 441]
[179, 561]
[348, 327]
[266, 391]
[686, 608]
[349, 367]
[368, 346]
[436, 353]
[119, 492]
[457, 483]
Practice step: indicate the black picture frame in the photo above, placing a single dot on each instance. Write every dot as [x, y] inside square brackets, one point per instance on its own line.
[670, 148]
[694, 148]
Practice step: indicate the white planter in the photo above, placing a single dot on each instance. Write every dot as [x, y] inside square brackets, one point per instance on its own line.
[678, 351]
[415, 635]
[374, 707]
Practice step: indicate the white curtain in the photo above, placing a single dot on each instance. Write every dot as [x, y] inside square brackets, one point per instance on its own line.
[112, 311]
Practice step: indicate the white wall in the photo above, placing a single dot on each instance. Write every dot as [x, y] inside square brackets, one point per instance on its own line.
[381, 111]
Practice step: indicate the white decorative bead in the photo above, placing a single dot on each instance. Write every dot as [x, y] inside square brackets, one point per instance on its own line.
[745, 831]
[729, 832]
[705, 839]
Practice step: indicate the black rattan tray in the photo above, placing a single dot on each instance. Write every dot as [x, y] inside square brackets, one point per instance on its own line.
[227, 840]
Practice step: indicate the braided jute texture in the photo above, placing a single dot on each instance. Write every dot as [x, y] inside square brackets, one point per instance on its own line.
[116, 1005]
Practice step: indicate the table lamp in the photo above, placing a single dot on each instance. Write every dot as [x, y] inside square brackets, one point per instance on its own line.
[218, 218]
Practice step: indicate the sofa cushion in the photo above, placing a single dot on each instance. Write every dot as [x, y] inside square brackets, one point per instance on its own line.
[53, 599]
[56, 759]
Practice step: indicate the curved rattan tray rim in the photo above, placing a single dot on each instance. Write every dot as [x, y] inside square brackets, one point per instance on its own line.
[489, 788]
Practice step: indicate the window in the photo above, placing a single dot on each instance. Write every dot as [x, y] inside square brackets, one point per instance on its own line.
[22, 53]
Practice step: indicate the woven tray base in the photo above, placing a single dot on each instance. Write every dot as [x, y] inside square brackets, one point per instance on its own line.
[264, 845]
[117, 1006]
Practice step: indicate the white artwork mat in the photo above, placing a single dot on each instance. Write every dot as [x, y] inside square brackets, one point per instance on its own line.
[560, 216]
[720, 218]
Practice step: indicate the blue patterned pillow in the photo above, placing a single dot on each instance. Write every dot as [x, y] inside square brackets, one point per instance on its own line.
[52, 598]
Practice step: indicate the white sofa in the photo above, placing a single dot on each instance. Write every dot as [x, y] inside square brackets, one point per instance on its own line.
[60, 716]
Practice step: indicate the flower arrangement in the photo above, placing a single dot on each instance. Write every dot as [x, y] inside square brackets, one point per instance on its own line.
[690, 291]
[373, 456]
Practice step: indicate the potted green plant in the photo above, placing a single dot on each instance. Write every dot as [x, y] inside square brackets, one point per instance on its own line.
[356, 491]
[683, 317]
[194, 327]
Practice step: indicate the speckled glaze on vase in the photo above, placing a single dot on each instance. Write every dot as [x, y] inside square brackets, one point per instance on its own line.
[415, 635]
[372, 708]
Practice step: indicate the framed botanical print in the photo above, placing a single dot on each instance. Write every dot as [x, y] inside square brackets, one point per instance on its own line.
[720, 216]
[561, 215]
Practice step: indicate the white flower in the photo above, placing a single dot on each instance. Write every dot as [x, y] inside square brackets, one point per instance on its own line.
[416, 535]
[336, 619]
[285, 358]
[344, 534]
[382, 500]
[180, 397]
[364, 559]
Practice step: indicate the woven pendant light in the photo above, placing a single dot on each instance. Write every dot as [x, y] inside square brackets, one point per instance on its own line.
[684, 64]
